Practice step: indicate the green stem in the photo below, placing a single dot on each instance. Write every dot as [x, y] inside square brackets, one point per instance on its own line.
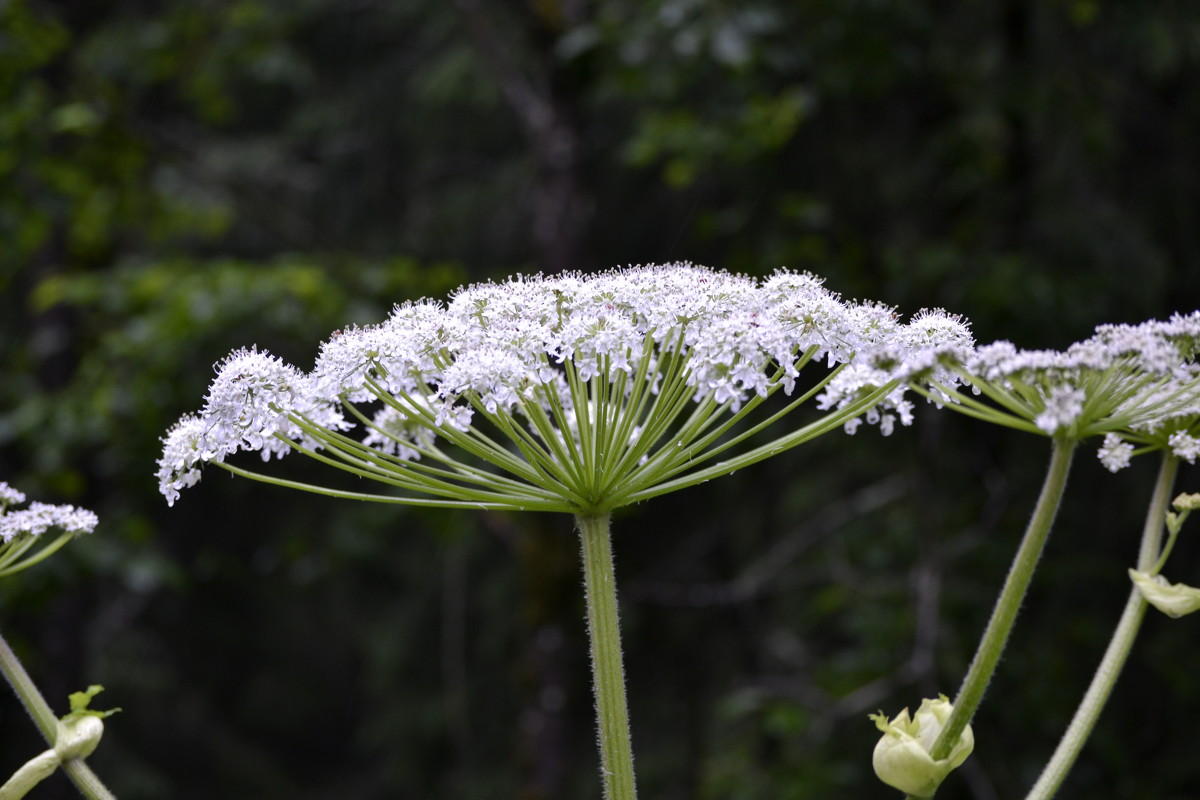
[86, 781]
[31, 698]
[1009, 602]
[608, 674]
[22, 685]
[1115, 656]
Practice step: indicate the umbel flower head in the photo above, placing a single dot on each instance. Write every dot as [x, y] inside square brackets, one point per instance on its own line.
[23, 542]
[576, 393]
[1123, 379]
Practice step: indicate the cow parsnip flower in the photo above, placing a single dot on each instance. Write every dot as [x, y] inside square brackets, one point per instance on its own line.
[23, 542]
[1122, 379]
[1178, 436]
[1164, 413]
[576, 393]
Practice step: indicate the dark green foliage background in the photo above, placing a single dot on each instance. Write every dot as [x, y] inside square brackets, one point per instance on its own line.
[179, 179]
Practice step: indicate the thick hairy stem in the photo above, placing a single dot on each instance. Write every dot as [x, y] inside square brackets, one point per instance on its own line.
[81, 774]
[608, 673]
[1009, 602]
[1105, 679]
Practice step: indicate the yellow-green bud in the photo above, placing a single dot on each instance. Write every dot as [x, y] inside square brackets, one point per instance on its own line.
[76, 736]
[1173, 599]
[902, 758]
[1187, 502]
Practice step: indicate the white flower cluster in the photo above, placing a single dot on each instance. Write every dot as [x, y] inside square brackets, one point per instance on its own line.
[903, 353]
[1125, 382]
[248, 403]
[10, 496]
[525, 346]
[1115, 453]
[39, 517]
[1169, 407]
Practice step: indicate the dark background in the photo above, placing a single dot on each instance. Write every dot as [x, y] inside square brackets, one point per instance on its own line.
[182, 178]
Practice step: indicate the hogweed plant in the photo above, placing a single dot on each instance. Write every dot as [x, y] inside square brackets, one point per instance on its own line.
[575, 393]
[26, 539]
[1126, 383]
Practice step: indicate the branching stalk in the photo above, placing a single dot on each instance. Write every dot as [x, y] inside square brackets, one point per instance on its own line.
[1115, 656]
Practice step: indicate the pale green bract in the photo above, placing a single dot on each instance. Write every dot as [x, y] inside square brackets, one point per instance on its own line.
[1173, 599]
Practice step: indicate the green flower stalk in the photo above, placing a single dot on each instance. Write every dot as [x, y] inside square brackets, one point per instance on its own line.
[1171, 432]
[1150, 558]
[1008, 604]
[1121, 379]
[576, 394]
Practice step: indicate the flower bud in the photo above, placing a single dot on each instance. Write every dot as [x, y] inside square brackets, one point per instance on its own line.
[1187, 502]
[78, 736]
[902, 757]
[1173, 599]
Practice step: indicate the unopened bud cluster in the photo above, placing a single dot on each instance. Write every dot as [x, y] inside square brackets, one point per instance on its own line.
[903, 757]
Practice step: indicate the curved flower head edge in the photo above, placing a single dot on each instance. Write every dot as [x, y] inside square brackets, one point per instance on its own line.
[1123, 378]
[23, 539]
